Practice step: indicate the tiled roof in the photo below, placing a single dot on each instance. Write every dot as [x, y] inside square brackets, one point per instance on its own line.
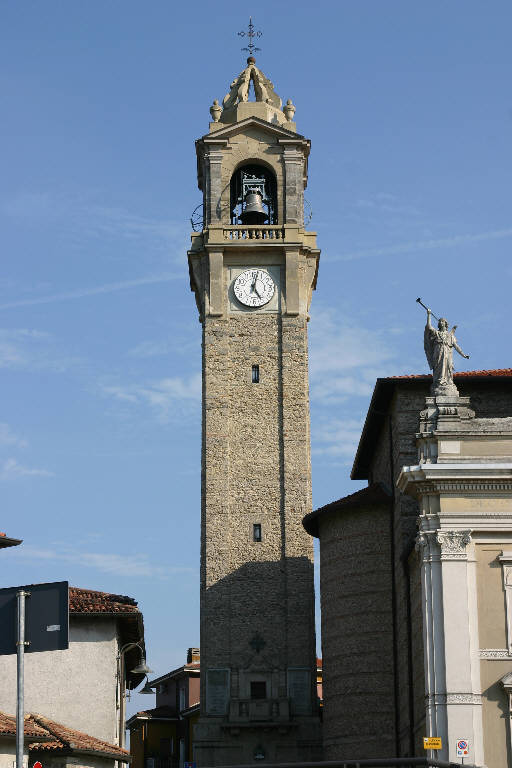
[192, 710]
[91, 601]
[194, 666]
[5, 541]
[65, 739]
[495, 372]
[32, 729]
[162, 711]
[376, 493]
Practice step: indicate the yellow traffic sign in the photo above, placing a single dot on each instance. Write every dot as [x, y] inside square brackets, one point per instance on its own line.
[432, 742]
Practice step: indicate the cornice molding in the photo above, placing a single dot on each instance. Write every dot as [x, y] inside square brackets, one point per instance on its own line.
[494, 654]
[455, 478]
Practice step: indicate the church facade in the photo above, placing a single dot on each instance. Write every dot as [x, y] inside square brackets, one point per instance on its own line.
[416, 574]
[253, 268]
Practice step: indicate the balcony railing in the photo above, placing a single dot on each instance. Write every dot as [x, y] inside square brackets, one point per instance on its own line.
[259, 710]
[262, 232]
[161, 762]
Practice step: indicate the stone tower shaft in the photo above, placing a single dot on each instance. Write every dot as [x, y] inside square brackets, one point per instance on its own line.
[253, 286]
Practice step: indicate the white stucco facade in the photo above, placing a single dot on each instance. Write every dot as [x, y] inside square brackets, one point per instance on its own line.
[78, 687]
[8, 754]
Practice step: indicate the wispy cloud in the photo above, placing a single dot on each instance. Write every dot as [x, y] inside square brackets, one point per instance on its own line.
[150, 349]
[336, 438]
[77, 212]
[168, 397]
[344, 358]
[126, 564]
[32, 349]
[13, 470]
[423, 245]
[387, 203]
[8, 438]
[81, 293]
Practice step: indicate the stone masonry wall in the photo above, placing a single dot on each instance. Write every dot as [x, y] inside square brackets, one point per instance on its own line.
[357, 634]
[256, 469]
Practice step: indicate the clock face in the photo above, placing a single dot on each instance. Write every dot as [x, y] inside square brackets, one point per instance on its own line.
[254, 287]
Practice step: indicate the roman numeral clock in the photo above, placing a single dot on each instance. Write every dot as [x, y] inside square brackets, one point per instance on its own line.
[253, 268]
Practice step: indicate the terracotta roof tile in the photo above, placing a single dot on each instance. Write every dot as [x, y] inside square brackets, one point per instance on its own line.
[8, 727]
[494, 372]
[91, 601]
[69, 739]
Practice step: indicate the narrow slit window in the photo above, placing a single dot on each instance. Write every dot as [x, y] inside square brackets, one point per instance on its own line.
[256, 532]
[255, 374]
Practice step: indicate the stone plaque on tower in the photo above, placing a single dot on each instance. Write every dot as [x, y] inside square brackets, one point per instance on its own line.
[253, 268]
[217, 691]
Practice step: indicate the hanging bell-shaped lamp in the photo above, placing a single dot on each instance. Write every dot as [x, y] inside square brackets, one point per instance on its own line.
[147, 688]
[254, 212]
[142, 668]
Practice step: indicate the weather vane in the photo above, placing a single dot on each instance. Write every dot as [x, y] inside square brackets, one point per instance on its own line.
[251, 34]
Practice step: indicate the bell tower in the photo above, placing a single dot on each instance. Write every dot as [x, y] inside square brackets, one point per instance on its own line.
[253, 268]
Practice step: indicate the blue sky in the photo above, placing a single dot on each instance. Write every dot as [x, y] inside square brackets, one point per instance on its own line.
[409, 110]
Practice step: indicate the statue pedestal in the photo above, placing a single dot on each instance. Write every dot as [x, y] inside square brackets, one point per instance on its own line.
[442, 411]
[443, 415]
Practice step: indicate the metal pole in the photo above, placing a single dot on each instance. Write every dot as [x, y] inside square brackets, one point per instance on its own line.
[20, 702]
[425, 307]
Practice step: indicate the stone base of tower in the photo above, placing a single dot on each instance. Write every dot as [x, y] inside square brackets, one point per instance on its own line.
[218, 742]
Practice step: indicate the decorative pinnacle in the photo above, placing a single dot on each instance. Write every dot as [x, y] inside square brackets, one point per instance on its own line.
[251, 34]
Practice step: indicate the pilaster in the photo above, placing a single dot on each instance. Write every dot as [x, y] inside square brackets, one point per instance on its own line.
[461, 490]
[293, 159]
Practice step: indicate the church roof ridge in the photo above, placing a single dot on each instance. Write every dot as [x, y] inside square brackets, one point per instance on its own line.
[382, 394]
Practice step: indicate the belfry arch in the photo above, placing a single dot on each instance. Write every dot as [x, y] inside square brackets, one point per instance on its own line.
[258, 177]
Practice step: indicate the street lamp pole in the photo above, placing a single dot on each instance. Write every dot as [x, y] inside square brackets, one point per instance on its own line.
[141, 669]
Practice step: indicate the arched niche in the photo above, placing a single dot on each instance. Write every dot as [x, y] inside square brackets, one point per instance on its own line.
[256, 177]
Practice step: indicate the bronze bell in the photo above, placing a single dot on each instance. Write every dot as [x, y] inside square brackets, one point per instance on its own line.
[254, 212]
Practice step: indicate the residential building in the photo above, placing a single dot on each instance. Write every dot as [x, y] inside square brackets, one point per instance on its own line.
[161, 737]
[56, 746]
[84, 686]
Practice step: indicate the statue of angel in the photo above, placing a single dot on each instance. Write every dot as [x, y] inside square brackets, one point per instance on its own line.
[439, 345]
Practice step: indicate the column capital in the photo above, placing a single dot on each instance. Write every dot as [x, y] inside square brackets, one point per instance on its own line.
[453, 544]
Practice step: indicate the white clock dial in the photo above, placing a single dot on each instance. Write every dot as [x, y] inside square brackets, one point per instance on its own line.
[254, 287]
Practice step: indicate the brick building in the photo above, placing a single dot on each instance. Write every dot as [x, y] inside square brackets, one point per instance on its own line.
[161, 737]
